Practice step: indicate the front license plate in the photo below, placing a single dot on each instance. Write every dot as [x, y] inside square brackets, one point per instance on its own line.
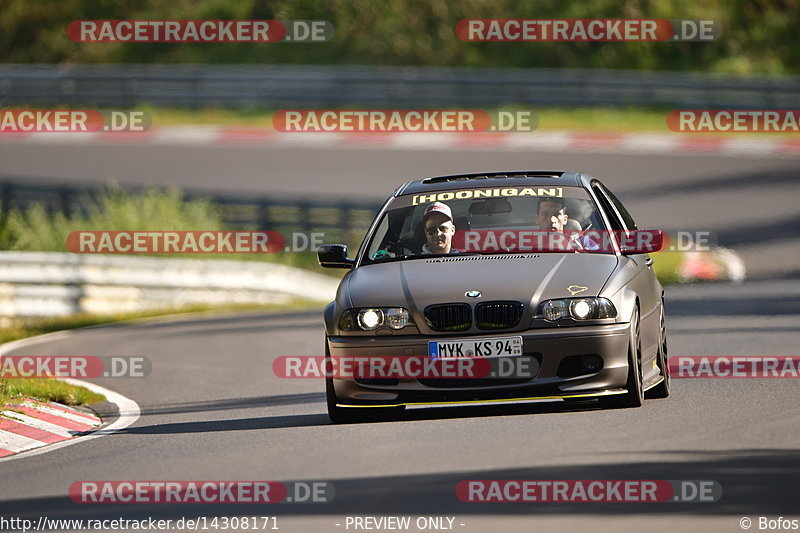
[485, 347]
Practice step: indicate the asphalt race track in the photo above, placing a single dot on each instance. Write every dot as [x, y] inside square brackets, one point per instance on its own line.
[213, 410]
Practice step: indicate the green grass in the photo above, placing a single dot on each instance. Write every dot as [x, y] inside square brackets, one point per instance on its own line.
[46, 390]
[603, 120]
[666, 266]
[589, 119]
[115, 209]
[261, 118]
[579, 119]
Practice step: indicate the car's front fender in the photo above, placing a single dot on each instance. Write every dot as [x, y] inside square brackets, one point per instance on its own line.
[329, 314]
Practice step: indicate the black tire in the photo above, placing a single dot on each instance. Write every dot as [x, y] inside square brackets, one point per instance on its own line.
[635, 396]
[354, 415]
[662, 389]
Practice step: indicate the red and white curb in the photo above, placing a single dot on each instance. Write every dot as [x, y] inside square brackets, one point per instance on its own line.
[36, 427]
[32, 424]
[561, 141]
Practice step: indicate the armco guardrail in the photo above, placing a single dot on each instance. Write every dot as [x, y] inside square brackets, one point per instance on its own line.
[280, 86]
[52, 284]
[340, 220]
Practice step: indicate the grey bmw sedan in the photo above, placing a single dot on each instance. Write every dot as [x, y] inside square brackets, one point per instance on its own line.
[499, 287]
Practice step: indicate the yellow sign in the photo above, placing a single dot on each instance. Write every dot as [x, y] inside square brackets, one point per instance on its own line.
[555, 192]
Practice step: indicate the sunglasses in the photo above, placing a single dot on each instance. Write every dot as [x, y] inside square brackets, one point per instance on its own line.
[434, 229]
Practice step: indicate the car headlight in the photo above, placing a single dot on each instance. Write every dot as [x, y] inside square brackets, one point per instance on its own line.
[371, 318]
[577, 308]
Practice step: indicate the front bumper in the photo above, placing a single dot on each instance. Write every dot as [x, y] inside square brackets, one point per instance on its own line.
[549, 347]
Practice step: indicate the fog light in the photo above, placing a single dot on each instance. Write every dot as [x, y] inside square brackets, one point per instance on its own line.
[591, 363]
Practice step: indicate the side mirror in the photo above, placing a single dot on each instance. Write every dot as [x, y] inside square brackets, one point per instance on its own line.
[334, 256]
[642, 241]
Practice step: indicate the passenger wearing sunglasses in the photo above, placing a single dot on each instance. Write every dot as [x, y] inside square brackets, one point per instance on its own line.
[439, 229]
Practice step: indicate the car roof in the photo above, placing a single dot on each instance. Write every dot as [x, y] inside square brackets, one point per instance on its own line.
[522, 178]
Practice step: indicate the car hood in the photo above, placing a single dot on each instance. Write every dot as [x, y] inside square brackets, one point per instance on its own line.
[526, 278]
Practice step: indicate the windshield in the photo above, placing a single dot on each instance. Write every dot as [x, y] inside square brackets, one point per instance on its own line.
[487, 220]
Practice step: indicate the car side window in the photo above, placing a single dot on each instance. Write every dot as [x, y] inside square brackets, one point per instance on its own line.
[605, 204]
[379, 239]
[626, 217]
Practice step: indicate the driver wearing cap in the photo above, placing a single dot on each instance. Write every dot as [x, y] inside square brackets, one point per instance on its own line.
[439, 229]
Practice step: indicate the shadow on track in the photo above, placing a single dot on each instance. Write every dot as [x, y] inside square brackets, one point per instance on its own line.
[753, 482]
[294, 421]
[235, 403]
